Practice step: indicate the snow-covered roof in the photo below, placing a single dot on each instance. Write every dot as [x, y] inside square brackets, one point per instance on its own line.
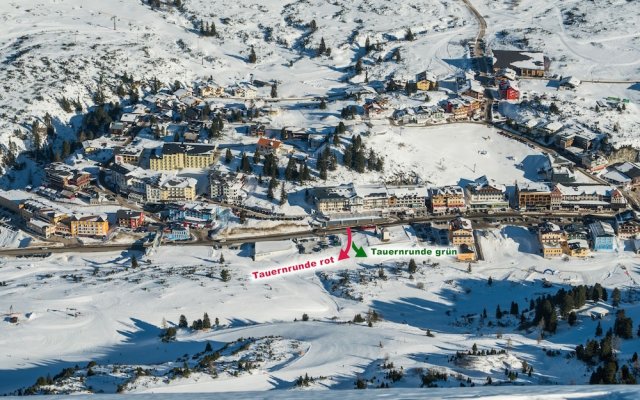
[577, 189]
[601, 228]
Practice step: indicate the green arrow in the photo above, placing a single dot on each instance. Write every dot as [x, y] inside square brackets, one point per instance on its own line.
[359, 250]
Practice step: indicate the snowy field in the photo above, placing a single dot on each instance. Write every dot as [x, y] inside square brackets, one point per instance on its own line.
[458, 153]
[589, 40]
[79, 308]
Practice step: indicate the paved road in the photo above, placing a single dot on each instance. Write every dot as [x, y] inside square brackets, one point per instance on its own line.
[310, 232]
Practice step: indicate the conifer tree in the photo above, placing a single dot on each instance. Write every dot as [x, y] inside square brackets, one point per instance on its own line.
[409, 35]
[358, 67]
[183, 322]
[225, 275]
[322, 48]
[413, 267]
[228, 156]
[283, 195]
[252, 56]
[206, 322]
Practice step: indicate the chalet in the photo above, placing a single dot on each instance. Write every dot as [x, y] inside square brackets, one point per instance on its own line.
[257, 130]
[226, 186]
[505, 74]
[129, 119]
[245, 91]
[293, 132]
[569, 82]
[129, 218]
[447, 198]
[628, 229]
[508, 90]
[630, 171]
[461, 232]
[524, 63]
[565, 139]
[210, 89]
[576, 248]
[533, 195]
[374, 110]
[472, 89]
[268, 146]
[593, 162]
[426, 81]
[584, 140]
[64, 177]
[118, 128]
[463, 107]
[484, 195]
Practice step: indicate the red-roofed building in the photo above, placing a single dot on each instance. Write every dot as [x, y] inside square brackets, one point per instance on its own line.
[268, 146]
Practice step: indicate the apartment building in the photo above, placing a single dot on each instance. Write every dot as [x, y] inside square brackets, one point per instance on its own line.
[65, 177]
[174, 156]
[461, 232]
[162, 188]
[226, 186]
[483, 195]
[356, 198]
[533, 195]
[92, 225]
[447, 198]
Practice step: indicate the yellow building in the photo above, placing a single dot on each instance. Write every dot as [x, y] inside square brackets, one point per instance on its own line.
[177, 156]
[426, 81]
[576, 248]
[461, 232]
[170, 188]
[550, 250]
[551, 233]
[466, 253]
[88, 226]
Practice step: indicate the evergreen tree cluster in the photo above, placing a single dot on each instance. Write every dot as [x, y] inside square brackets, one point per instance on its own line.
[208, 29]
[566, 301]
[270, 167]
[216, 127]
[602, 353]
[196, 325]
[293, 172]
[245, 165]
[304, 381]
[326, 161]
[357, 158]
[349, 112]
[96, 121]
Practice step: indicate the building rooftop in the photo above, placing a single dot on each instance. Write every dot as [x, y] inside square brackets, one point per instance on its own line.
[517, 59]
[600, 229]
[190, 149]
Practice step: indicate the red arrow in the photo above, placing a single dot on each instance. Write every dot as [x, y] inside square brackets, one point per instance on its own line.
[344, 253]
